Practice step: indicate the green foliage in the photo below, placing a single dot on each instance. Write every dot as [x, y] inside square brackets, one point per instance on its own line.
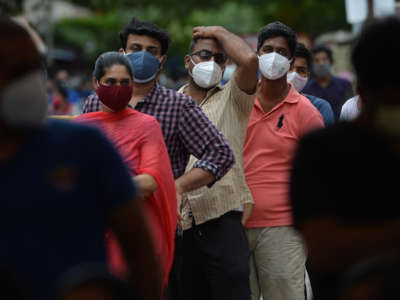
[99, 33]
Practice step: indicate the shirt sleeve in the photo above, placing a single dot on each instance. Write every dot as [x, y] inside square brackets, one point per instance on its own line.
[115, 186]
[91, 104]
[327, 114]
[204, 141]
[243, 101]
[312, 119]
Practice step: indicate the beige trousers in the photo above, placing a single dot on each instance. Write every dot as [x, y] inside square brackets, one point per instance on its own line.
[277, 263]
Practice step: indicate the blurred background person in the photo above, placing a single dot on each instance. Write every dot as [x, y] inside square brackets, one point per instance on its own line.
[58, 218]
[351, 109]
[324, 84]
[139, 140]
[343, 190]
[299, 74]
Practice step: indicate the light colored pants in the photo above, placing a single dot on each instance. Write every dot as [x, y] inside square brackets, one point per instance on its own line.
[277, 263]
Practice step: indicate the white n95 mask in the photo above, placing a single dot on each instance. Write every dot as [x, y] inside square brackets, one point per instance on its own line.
[24, 101]
[273, 65]
[206, 74]
[299, 82]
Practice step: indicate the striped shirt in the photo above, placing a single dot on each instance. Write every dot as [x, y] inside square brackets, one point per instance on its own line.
[186, 130]
[229, 108]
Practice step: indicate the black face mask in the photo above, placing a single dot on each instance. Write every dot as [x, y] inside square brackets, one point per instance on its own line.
[322, 71]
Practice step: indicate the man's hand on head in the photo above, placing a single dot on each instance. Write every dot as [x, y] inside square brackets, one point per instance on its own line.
[205, 32]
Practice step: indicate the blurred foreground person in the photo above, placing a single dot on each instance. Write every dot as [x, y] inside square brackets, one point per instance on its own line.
[139, 140]
[280, 117]
[57, 193]
[344, 191]
[91, 282]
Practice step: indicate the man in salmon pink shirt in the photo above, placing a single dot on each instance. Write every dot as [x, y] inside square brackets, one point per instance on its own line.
[280, 117]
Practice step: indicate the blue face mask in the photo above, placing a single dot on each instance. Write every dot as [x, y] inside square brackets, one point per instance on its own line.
[145, 66]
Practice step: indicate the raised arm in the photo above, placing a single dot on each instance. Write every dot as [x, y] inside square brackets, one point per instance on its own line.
[246, 73]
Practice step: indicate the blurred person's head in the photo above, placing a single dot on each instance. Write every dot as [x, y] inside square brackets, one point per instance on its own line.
[91, 282]
[299, 72]
[276, 45]
[378, 81]
[146, 46]
[375, 279]
[322, 61]
[112, 80]
[10, 286]
[23, 97]
[205, 62]
[62, 75]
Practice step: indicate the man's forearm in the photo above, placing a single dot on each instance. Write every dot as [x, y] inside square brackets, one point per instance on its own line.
[235, 47]
[192, 180]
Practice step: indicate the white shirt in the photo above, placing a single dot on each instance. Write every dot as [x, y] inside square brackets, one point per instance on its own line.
[350, 109]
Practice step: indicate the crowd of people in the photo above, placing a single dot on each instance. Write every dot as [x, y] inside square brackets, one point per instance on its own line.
[261, 175]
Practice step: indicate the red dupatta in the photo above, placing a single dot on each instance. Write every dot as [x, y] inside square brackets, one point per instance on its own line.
[139, 140]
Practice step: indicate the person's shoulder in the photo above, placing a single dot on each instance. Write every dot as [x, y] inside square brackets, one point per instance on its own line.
[342, 81]
[141, 117]
[174, 97]
[67, 132]
[332, 135]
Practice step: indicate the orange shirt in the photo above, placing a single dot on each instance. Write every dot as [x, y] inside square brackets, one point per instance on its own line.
[270, 143]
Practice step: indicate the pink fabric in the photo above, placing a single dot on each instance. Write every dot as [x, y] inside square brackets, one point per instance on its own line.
[139, 139]
[268, 154]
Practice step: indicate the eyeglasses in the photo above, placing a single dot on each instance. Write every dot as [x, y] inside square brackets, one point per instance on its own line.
[206, 55]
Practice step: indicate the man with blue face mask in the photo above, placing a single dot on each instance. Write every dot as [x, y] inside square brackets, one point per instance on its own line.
[279, 118]
[215, 251]
[186, 129]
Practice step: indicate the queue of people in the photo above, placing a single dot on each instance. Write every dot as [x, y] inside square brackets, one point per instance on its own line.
[232, 191]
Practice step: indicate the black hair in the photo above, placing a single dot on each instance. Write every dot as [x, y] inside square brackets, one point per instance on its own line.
[194, 42]
[303, 52]
[323, 48]
[377, 38]
[138, 27]
[107, 60]
[12, 31]
[276, 29]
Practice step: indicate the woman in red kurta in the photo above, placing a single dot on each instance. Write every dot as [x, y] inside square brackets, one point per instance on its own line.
[139, 140]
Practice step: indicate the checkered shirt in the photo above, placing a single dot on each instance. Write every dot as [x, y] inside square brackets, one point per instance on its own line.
[186, 129]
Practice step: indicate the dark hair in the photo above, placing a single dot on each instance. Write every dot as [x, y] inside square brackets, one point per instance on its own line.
[194, 42]
[135, 26]
[377, 38]
[11, 33]
[303, 52]
[276, 29]
[323, 48]
[107, 60]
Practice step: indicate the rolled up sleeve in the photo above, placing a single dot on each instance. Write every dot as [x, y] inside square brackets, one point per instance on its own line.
[205, 142]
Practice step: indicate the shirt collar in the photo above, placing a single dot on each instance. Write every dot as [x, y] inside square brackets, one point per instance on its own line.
[152, 95]
[209, 93]
[292, 97]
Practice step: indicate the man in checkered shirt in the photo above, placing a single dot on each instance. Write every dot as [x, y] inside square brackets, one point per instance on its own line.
[186, 129]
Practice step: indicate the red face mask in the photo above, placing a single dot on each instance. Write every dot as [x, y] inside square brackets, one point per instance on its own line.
[115, 97]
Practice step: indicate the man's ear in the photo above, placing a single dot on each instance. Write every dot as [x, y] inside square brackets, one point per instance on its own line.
[162, 61]
[122, 51]
[186, 60]
[95, 83]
